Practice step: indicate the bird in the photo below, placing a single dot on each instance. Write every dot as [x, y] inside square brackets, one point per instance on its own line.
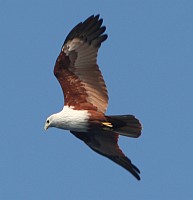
[86, 97]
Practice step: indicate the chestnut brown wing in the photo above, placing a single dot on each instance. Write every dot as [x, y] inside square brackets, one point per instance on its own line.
[76, 67]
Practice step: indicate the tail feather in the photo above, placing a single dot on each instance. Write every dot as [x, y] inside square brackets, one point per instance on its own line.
[126, 125]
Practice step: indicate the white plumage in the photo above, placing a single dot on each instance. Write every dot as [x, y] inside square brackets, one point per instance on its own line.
[69, 119]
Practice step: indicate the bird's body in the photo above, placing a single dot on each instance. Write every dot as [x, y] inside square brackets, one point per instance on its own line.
[86, 96]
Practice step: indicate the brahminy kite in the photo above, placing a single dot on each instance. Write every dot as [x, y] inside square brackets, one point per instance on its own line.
[86, 96]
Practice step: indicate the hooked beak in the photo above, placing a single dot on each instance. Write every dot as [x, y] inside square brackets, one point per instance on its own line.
[46, 127]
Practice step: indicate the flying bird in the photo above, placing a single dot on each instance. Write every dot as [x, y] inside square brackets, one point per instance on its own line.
[86, 96]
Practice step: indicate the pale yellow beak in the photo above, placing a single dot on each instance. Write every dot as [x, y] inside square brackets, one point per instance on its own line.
[46, 126]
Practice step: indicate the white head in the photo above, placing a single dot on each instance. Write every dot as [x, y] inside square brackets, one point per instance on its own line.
[58, 120]
[68, 119]
[50, 122]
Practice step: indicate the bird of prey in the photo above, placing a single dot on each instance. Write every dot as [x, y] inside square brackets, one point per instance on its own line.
[86, 96]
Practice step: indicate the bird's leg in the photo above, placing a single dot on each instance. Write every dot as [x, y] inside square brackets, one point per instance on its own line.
[107, 124]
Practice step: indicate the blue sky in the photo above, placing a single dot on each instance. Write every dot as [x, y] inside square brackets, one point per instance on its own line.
[147, 63]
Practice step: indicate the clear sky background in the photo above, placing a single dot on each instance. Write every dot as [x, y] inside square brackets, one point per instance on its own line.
[147, 63]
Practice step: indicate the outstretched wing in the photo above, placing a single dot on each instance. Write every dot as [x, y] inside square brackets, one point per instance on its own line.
[106, 144]
[76, 67]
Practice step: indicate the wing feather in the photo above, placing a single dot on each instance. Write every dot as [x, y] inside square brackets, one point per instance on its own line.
[76, 67]
[106, 144]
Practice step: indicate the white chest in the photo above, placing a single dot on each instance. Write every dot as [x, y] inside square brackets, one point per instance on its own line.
[74, 120]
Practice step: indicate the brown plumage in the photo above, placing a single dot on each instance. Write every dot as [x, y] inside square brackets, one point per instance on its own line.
[76, 67]
[86, 97]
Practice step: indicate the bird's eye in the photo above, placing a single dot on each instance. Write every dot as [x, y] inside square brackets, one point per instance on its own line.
[47, 121]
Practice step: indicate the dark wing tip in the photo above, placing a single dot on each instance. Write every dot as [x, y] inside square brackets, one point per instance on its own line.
[128, 165]
[136, 172]
[91, 31]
